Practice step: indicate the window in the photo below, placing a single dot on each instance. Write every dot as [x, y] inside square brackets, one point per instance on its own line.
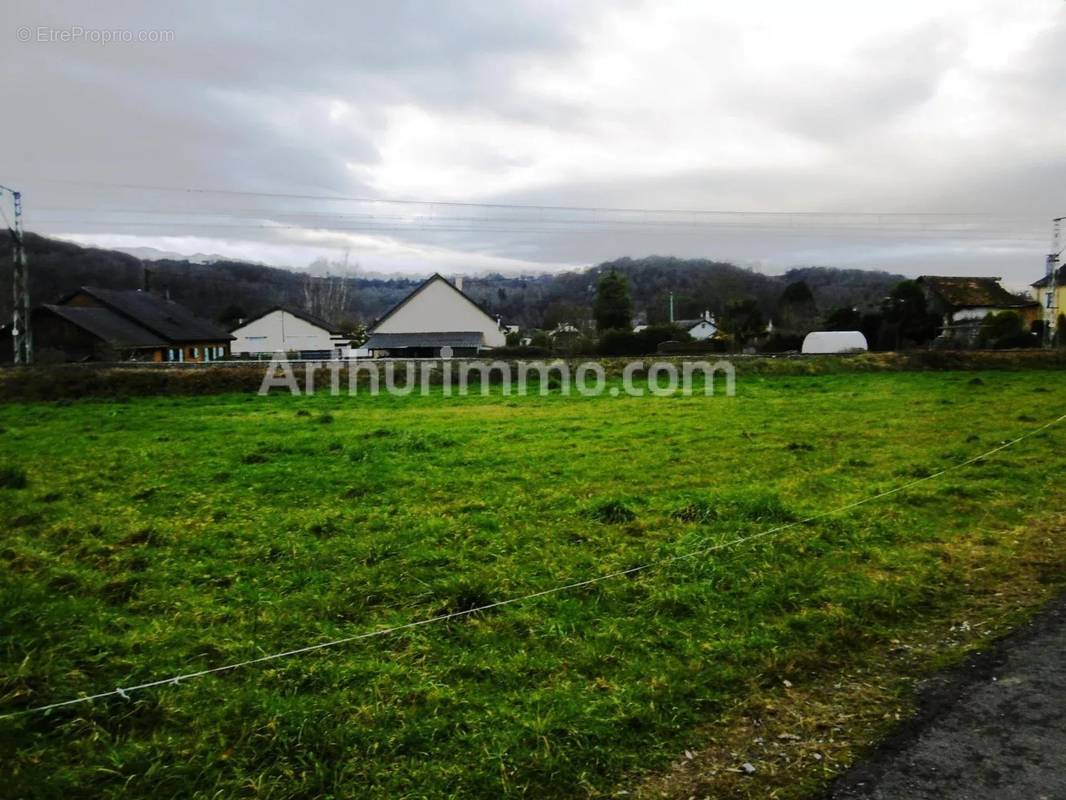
[196, 352]
[1050, 299]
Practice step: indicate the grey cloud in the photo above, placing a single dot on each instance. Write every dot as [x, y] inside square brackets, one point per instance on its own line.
[230, 103]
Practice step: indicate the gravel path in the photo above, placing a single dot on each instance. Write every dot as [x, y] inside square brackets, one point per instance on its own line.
[995, 727]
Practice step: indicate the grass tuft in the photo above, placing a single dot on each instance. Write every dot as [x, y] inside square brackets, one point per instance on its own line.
[611, 512]
[13, 478]
[700, 511]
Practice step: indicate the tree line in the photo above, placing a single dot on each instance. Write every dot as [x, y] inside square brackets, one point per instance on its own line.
[226, 291]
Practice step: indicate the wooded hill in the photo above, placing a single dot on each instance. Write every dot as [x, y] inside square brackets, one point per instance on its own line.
[225, 290]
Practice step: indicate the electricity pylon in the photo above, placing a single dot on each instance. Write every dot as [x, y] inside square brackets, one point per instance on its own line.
[20, 321]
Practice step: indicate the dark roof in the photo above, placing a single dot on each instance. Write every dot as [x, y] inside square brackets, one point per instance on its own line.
[168, 319]
[1060, 276]
[106, 325]
[973, 292]
[690, 323]
[318, 322]
[423, 285]
[388, 341]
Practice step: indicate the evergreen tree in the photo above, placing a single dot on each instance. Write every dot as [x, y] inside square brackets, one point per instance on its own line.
[797, 312]
[743, 321]
[614, 306]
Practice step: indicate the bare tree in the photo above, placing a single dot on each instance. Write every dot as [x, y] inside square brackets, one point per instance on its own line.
[328, 295]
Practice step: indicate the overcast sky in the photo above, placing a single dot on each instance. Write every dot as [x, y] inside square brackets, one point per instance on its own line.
[944, 121]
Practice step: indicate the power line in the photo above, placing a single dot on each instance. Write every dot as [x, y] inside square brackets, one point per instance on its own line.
[526, 206]
[893, 221]
[176, 680]
[987, 236]
[823, 223]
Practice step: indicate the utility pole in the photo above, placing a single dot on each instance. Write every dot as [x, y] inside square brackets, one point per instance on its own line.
[671, 308]
[1051, 310]
[20, 322]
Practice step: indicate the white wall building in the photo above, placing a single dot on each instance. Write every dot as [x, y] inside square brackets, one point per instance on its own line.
[437, 314]
[699, 329]
[284, 329]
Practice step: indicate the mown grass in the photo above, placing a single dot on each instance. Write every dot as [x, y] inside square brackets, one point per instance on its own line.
[162, 535]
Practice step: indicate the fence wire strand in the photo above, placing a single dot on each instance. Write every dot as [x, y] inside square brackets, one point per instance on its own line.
[124, 692]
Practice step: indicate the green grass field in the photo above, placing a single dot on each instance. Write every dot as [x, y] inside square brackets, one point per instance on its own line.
[162, 535]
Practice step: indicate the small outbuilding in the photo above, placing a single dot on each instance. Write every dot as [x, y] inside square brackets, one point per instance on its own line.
[834, 342]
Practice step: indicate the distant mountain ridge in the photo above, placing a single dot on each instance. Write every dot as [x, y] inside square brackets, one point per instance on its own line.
[224, 289]
[154, 254]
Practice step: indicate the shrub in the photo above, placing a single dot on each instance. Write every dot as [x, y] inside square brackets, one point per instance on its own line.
[693, 348]
[618, 343]
[781, 343]
[637, 343]
[520, 351]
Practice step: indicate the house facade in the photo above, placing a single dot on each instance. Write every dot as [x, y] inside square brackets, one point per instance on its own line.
[1052, 303]
[94, 324]
[434, 316]
[962, 304]
[289, 330]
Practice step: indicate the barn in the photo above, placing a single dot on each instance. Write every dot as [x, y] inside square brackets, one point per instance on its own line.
[436, 315]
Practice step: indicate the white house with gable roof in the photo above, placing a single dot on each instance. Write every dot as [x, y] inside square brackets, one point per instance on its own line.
[700, 329]
[435, 315]
[289, 330]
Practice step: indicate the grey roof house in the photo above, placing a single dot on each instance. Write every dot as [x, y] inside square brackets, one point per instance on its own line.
[94, 324]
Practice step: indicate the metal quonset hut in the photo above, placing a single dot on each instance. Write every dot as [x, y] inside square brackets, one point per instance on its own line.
[827, 342]
[435, 315]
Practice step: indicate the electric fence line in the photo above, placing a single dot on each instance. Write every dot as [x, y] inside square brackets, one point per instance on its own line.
[176, 680]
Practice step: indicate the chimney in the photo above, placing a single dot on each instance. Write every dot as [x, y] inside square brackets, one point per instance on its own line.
[459, 282]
